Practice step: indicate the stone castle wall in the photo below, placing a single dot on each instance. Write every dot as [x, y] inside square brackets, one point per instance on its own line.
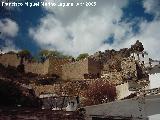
[37, 68]
[9, 59]
[94, 66]
[55, 65]
[76, 70]
[50, 66]
[33, 67]
[112, 65]
[72, 70]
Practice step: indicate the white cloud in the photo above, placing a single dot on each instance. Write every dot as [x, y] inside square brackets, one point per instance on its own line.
[9, 46]
[149, 31]
[8, 28]
[149, 36]
[152, 6]
[76, 30]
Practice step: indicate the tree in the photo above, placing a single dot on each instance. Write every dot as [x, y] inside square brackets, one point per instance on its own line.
[99, 92]
[49, 53]
[24, 54]
[82, 56]
[68, 57]
[44, 54]
[11, 52]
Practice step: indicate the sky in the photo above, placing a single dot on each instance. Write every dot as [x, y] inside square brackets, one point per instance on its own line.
[108, 24]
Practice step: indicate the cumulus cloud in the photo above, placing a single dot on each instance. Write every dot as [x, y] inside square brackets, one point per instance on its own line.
[8, 30]
[149, 31]
[76, 30]
[149, 36]
[9, 46]
[152, 6]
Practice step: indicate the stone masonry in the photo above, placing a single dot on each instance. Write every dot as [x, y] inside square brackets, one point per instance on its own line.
[50, 66]
[9, 59]
[77, 70]
[111, 65]
[55, 65]
[38, 68]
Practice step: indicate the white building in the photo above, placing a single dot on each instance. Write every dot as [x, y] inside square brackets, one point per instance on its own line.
[154, 80]
[123, 91]
[142, 57]
[130, 87]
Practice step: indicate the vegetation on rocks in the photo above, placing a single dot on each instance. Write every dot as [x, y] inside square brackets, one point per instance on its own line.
[24, 54]
[82, 56]
[99, 92]
[44, 54]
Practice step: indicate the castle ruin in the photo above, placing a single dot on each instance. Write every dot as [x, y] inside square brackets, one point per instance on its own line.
[127, 67]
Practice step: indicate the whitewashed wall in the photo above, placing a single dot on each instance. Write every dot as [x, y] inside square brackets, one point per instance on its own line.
[123, 91]
[154, 80]
[141, 58]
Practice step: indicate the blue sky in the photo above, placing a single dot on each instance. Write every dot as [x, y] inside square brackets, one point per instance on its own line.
[111, 24]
